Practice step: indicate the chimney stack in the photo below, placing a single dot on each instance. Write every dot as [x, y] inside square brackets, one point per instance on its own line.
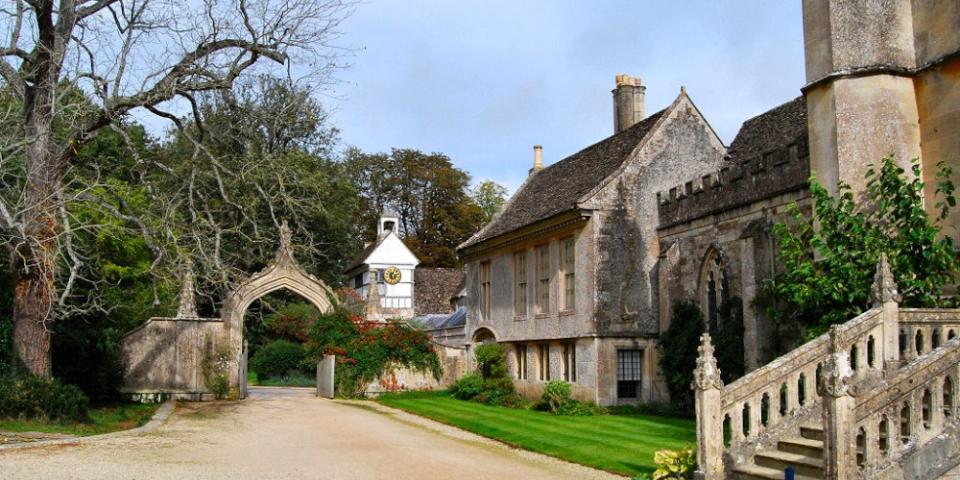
[628, 102]
[537, 159]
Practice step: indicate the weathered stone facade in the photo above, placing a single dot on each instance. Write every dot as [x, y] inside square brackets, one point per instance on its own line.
[602, 204]
[682, 218]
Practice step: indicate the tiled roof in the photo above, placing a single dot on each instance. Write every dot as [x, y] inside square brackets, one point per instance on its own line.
[434, 287]
[772, 130]
[557, 188]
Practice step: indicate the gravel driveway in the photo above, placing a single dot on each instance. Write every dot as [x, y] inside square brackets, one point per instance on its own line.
[289, 434]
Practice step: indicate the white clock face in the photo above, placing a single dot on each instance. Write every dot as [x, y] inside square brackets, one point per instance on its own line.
[392, 275]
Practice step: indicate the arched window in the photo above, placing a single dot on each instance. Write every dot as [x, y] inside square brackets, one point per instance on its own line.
[713, 288]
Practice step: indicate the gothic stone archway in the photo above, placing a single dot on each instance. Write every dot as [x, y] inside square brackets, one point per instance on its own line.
[164, 356]
[284, 272]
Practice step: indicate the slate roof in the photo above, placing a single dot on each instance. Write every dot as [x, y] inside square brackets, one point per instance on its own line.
[442, 321]
[772, 130]
[557, 188]
[434, 288]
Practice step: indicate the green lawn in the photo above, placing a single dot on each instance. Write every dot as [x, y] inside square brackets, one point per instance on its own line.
[293, 379]
[102, 420]
[617, 443]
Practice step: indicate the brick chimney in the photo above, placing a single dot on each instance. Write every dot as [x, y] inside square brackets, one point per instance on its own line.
[628, 102]
[537, 159]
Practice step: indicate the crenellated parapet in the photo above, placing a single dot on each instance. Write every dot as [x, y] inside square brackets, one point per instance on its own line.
[738, 183]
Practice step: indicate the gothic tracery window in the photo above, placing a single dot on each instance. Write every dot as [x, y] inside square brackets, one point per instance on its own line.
[714, 289]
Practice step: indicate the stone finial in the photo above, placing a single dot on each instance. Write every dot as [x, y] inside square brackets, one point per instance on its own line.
[707, 375]
[884, 287]
[285, 251]
[373, 296]
[837, 372]
[187, 307]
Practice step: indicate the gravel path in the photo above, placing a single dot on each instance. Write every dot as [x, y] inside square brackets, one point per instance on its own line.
[289, 434]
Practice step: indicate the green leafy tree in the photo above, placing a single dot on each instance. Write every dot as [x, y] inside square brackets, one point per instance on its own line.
[729, 340]
[829, 257]
[678, 352]
[119, 74]
[430, 195]
[490, 196]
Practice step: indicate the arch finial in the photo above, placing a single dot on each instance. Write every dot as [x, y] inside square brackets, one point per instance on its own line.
[187, 307]
[285, 251]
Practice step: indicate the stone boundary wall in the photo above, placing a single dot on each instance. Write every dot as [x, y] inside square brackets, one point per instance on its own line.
[737, 184]
[163, 358]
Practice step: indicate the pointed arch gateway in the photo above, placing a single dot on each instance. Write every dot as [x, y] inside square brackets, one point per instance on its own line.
[283, 273]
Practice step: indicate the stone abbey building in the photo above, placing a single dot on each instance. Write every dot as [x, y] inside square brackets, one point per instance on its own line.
[578, 273]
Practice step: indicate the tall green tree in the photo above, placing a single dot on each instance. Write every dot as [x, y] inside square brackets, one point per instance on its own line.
[490, 196]
[430, 195]
[829, 257]
[123, 56]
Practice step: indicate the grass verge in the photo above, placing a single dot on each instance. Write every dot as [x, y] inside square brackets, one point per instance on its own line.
[292, 379]
[618, 443]
[104, 419]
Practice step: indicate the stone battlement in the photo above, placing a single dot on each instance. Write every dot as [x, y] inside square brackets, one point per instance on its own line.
[736, 184]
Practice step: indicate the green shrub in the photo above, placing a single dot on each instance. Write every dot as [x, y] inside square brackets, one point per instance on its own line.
[277, 358]
[491, 359]
[499, 392]
[368, 351]
[675, 464]
[558, 399]
[678, 352]
[556, 394]
[728, 340]
[217, 362]
[34, 397]
[467, 387]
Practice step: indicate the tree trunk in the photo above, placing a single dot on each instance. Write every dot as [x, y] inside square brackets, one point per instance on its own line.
[32, 311]
[34, 260]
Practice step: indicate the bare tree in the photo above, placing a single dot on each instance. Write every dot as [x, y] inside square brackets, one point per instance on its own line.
[75, 67]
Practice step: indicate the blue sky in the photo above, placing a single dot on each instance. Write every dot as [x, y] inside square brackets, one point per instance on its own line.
[483, 81]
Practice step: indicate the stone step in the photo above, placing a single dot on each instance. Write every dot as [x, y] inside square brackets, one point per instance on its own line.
[754, 472]
[801, 446]
[812, 432]
[778, 460]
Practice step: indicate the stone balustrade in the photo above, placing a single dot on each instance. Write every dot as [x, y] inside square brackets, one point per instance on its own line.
[879, 385]
[906, 410]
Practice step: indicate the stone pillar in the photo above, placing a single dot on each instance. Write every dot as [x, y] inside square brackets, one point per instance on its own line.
[748, 292]
[884, 295]
[325, 376]
[839, 421]
[187, 307]
[373, 296]
[708, 391]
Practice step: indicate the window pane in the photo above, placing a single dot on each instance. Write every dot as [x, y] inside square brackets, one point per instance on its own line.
[629, 364]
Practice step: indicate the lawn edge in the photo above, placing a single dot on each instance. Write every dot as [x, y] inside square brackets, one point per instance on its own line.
[381, 408]
[159, 418]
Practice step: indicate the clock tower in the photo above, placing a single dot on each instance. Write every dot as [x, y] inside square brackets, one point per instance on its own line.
[384, 272]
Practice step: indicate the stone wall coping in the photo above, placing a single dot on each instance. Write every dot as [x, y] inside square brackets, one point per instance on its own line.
[909, 378]
[171, 319]
[811, 352]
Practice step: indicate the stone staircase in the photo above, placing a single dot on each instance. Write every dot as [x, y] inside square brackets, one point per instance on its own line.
[876, 397]
[804, 453]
